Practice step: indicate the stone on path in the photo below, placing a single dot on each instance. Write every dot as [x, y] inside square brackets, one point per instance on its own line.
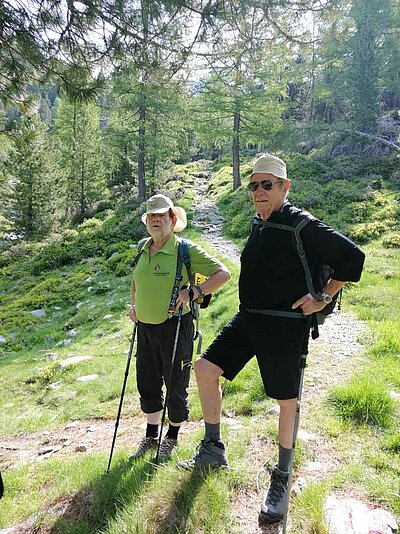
[87, 378]
[72, 361]
[349, 516]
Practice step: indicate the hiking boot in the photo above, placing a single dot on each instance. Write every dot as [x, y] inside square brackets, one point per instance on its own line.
[210, 456]
[166, 447]
[146, 443]
[273, 507]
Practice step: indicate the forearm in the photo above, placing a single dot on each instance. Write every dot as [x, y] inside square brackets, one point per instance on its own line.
[219, 277]
[333, 287]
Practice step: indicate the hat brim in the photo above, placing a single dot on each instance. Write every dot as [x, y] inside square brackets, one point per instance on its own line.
[181, 219]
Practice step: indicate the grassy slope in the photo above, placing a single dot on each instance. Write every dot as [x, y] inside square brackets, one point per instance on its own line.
[139, 500]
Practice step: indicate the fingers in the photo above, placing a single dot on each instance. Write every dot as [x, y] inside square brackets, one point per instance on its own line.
[132, 315]
[308, 305]
[183, 299]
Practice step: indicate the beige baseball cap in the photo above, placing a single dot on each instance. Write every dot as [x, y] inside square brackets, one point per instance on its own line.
[161, 204]
[271, 164]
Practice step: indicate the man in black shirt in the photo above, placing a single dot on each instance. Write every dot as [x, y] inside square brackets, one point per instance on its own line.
[273, 321]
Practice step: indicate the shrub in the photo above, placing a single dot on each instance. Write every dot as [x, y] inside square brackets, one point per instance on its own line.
[54, 290]
[70, 234]
[89, 225]
[391, 240]
[365, 232]
[363, 400]
[15, 319]
[120, 263]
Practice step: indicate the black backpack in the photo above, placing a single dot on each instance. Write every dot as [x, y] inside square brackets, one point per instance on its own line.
[316, 278]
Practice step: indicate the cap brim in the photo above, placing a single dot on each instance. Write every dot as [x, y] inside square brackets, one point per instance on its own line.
[181, 219]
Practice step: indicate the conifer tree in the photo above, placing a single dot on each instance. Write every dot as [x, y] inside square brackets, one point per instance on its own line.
[31, 168]
[77, 133]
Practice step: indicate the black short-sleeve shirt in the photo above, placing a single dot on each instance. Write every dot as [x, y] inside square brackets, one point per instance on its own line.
[272, 276]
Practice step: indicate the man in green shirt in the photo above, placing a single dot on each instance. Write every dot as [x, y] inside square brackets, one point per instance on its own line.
[152, 284]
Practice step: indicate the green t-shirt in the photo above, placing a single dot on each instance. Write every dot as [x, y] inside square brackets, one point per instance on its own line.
[154, 278]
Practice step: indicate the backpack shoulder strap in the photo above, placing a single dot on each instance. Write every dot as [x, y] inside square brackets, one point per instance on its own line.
[300, 222]
[139, 250]
[183, 247]
[183, 258]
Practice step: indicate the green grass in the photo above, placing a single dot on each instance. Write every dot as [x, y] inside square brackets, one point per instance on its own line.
[364, 400]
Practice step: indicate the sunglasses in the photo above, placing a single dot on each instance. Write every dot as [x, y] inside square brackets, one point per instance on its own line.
[265, 184]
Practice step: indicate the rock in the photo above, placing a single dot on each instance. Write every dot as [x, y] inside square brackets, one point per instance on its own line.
[72, 425]
[87, 378]
[80, 448]
[353, 517]
[47, 450]
[72, 361]
[3, 339]
[395, 396]
[55, 385]
[73, 333]
[381, 522]
[299, 485]
[64, 342]
[49, 356]
[274, 410]
[38, 313]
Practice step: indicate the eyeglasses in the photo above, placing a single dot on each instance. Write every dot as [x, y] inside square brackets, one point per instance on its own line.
[265, 184]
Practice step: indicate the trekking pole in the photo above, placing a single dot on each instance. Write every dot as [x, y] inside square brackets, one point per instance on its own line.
[303, 365]
[168, 382]
[122, 395]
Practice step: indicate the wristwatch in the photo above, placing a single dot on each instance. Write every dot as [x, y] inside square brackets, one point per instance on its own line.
[199, 291]
[326, 298]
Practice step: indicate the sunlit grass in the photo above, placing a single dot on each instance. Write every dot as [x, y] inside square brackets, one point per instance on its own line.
[363, 400]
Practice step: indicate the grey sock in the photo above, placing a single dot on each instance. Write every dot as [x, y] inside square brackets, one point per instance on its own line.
[213, 431]
[285, 456]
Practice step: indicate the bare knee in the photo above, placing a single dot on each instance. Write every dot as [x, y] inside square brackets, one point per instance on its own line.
[206, 371]
[287, 404]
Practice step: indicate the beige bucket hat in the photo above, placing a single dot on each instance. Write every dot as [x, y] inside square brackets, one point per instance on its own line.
[160, 204]
[271, 164]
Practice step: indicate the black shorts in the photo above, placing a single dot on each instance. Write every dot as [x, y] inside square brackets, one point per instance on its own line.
[155, 344]
[277, 343]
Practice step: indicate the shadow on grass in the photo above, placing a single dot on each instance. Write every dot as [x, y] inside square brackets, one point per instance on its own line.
[175, 518]
[90, 510]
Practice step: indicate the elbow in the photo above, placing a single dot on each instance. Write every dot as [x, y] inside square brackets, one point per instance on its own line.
[227, 275]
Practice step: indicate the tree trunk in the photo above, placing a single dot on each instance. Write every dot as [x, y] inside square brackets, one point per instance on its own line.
[142, 150]
[235, 151]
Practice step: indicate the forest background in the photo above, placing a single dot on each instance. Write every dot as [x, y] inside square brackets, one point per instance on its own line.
[105, 103]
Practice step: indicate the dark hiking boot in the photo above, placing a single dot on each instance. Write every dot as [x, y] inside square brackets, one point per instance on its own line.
[273, 507]
[166, 448]
[210, 456]
[146, 443]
